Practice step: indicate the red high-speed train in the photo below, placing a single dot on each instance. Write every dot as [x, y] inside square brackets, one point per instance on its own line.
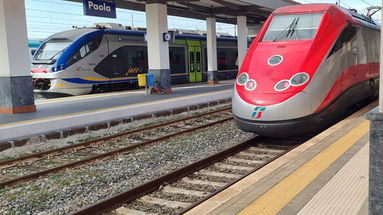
[306, 66]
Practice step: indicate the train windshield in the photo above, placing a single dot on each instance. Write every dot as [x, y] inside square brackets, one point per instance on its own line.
[293, 27]
[52, 49]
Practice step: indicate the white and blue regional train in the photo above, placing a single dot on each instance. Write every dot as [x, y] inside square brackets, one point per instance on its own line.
[109, 57]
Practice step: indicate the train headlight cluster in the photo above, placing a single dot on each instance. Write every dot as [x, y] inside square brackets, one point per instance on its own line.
[282, 85]
[243, 80]
[297, 80]
[275, 60]
[250, 85]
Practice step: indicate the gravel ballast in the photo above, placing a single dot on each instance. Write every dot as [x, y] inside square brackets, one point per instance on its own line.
[65, 192]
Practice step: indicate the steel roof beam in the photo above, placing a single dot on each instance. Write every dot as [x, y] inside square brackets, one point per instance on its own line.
[189, 10]
[193, 6]
[228, 4]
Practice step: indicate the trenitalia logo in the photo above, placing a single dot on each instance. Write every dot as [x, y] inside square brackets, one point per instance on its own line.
[258, 111]
[103, 8]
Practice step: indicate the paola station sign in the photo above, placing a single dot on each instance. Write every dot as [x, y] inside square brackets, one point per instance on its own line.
[102, 8]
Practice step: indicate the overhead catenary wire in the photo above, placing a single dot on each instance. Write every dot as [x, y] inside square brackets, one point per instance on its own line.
[41, 12]
[366, 2]
[34, 9]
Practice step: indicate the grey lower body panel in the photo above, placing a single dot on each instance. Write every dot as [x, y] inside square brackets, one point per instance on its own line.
[312, 123]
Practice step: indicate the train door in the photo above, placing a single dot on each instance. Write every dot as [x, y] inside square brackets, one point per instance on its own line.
[195, 64]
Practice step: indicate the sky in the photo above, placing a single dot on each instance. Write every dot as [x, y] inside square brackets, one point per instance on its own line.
[46, 17]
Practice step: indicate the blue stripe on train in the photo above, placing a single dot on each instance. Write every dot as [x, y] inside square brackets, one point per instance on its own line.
[83, 81]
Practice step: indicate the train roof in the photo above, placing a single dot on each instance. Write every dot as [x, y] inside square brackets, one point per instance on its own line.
[320, 7]
[74, 34]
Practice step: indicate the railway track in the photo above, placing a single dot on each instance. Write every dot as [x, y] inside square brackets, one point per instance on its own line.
[182, 189]
[40, 164]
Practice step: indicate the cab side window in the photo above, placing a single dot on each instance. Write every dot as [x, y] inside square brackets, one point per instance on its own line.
[85, 50]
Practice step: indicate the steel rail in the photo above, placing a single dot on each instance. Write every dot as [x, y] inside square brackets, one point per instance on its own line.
[235, 181]
[154, 184]
[91, 142]
[106, 155]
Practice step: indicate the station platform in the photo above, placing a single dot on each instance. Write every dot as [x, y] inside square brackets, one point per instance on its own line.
[328, 174]
[78, 111]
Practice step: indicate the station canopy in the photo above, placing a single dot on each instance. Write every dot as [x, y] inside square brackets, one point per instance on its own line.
[224, 11]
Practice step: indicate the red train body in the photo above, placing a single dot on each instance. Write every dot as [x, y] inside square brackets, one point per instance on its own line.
[305, 67]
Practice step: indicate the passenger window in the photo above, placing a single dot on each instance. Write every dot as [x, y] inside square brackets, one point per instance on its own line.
[198, 60]
[125, 61]
[227, 58]
[85, 50]
[345, 37]
[177, 60]
[191, 61]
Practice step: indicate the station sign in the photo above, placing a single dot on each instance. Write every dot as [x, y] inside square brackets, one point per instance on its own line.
[102, 8]
[168, 36]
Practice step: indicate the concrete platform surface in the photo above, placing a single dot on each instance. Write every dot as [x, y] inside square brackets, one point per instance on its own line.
[326, 175]
[67, 112]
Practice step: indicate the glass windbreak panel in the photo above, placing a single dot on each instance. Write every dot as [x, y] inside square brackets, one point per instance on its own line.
[177, 60]
[52, 49]
[293, 27]
[227, 58]
[125, 61]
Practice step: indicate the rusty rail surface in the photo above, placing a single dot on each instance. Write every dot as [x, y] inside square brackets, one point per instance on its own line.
[154, 184]
[91, 142]
[137, 192]
[114, 152]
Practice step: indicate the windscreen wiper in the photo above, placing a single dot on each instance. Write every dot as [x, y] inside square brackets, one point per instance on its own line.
[56, 54]
[293, 28]
[287, 30]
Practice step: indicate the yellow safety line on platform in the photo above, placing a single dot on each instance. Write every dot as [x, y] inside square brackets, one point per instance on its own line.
[272, 201]
[107, 109]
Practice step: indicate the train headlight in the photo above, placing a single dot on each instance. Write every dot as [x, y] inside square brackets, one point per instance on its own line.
[250, 85]
[299, 79]
[242, 79]
[275, 60]
[282, 85]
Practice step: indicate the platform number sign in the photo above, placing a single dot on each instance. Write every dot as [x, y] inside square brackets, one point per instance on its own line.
[102, 8]
[168, 36]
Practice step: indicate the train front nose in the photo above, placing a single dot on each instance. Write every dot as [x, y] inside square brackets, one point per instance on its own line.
[273, 74]
[295, 106]
[279, 120]
[269, 91]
